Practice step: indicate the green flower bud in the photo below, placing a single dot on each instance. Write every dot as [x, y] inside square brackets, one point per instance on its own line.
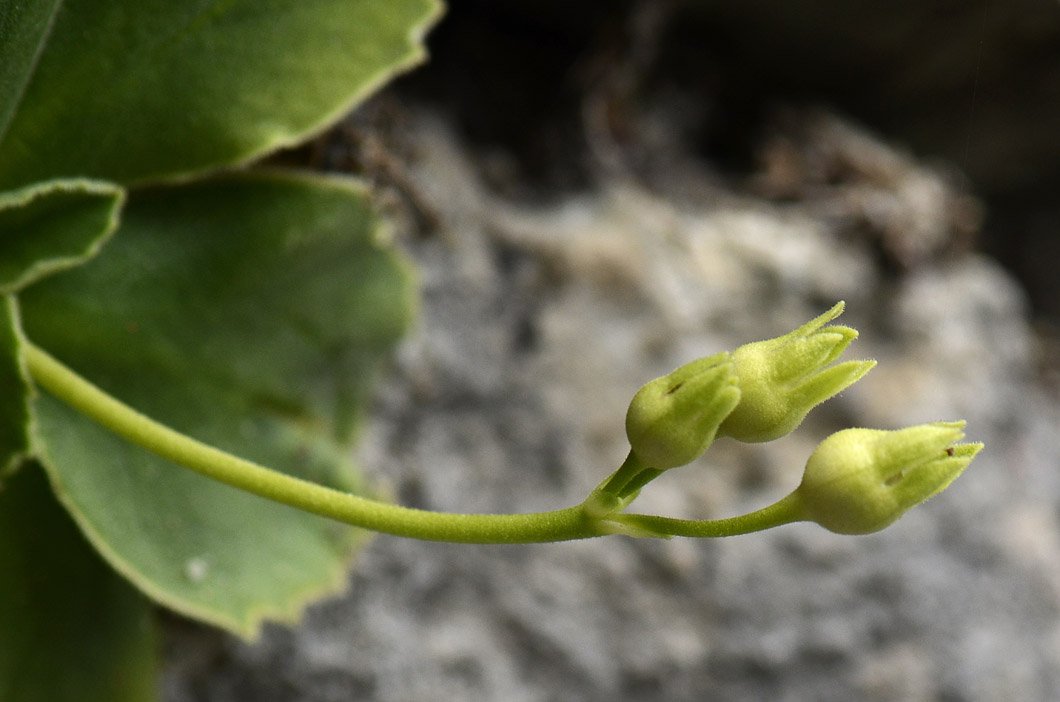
[782, 379]
[672, 420]
[860, 480]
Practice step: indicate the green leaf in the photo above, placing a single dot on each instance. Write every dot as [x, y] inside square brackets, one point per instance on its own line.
[246, 311]
[73, 631]
[50, 226]
[14, 392]
[139, 90]
[23, 29]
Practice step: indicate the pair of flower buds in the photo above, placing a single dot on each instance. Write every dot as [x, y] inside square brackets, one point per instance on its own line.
[857, 481]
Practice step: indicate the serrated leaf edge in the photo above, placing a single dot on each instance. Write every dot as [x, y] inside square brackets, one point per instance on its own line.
[248, 627]
[47, 266]
[415, 54]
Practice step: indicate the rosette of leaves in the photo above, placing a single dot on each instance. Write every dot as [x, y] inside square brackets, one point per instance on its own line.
[245, 307]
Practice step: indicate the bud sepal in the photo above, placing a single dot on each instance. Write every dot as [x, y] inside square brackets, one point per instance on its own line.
[859, 481]
[782, 379]
[672, 420]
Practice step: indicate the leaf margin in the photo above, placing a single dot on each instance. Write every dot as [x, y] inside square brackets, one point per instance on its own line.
[45, 266]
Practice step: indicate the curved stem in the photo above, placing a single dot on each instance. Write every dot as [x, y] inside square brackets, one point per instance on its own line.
[79, 393]
[784, 511]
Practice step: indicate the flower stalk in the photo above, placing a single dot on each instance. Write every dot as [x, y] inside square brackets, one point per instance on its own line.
[857, 481]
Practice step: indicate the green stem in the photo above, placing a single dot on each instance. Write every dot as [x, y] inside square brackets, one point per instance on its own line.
[784, 511]
[629, 469]
[634, 486]
[611, 496]
[559, 525]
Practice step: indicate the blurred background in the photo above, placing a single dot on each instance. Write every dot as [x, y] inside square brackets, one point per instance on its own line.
[596, 193]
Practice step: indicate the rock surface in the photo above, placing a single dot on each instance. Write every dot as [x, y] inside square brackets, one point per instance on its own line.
[972, 84]
[538, 325]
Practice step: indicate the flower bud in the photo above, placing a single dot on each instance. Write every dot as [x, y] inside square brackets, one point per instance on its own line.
[860, 480]
[782, 379]
[672, 420]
